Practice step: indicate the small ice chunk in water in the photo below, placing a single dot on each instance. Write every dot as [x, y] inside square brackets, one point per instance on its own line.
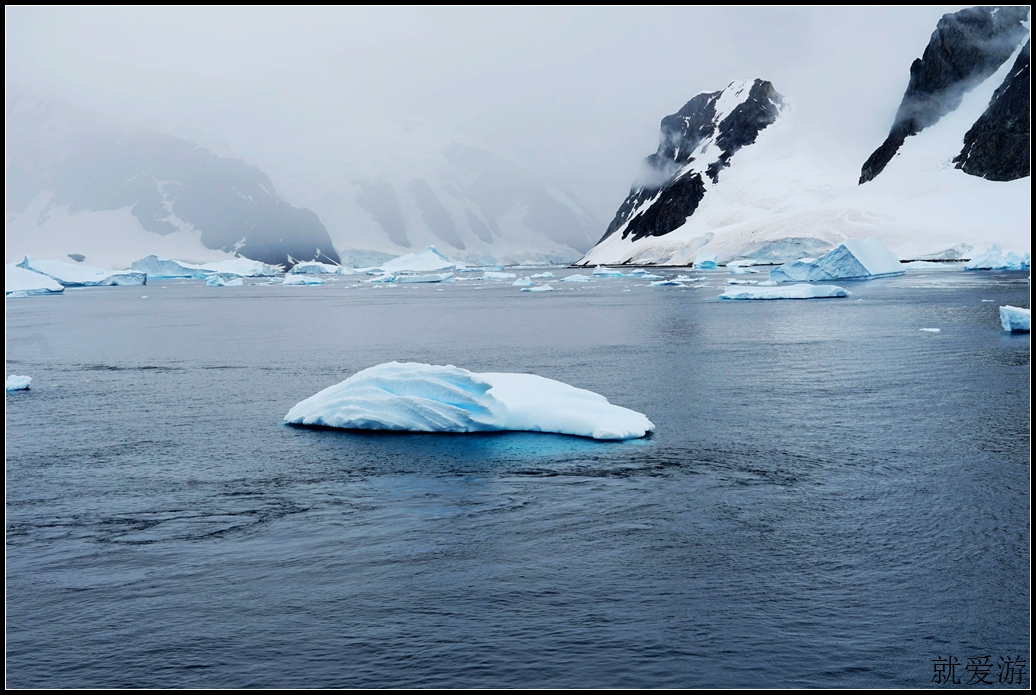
[577, 277]
[523, 282]
[801, 291]
[541, 288]
[299, 279]
[492, 275]
[929, 330]
[602, 272]
[215, 281]
[1014, 319]
[543, 276]
[18, 383]
[667, 283]
[429, 398]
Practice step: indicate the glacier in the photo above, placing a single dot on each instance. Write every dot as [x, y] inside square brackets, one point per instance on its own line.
[416, 397]
[75, 275]
[1014, 319]
[17, 383]
[801, 291]
[19, 282]
[850, 259]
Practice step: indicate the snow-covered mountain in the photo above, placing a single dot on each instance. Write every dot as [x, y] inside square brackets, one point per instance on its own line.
[416, 185]
[77, 184]
[956, 180]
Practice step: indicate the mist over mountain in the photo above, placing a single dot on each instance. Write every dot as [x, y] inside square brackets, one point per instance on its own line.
[62, 158]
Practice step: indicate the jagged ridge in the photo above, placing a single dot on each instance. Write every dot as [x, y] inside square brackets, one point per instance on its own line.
[713, 126]
[965, 49]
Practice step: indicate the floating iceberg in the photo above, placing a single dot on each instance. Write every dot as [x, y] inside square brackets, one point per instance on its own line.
[785, 292]
[18, 383]
[156, 267]
[19, 282]
[543, 276]
[541, 288]
[743, 282]
[705, 261]
[426, 398]
[577, 277]
[492, 275]
[744, 262]
[602, 272]
[739, 270]
[428, 260]
[523, 282]
[292, 279]
[993, 259]
[76, 275]
[1014, 319]
[242, 267]
[317, 268]
[667, 283]
[438, 277]
[222, 281]
[850, 259]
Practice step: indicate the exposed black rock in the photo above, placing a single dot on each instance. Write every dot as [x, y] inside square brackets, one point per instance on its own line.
[965, 49]
[997, 146]
[168, 184]
[676, 188]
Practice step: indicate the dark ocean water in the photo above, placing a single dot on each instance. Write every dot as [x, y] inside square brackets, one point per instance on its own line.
[832, 497]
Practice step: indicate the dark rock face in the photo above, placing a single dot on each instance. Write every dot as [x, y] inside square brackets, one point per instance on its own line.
[671, 190]
[997, 146]
[965, 49]
[168, 184]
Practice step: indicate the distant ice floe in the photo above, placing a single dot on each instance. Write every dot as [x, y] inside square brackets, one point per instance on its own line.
[667, 283]
[1014, 319]
[434, 277]
[739, 270]
[222, 281]
[576, 277]
[317, 268]
[540, 288]
[930, 330]
[426, 398]
[602, 272]
[156, 267]
[543, 276]
[17, 383]
[301, 279]
[523, 282]
[801, 291]
[494, 275]
[19, 282]
[850, 259]
[77, 275]
[706, 261]
[994, 258]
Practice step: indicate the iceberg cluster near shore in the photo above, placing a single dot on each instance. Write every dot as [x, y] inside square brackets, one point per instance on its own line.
[428, 398]
[75, 275]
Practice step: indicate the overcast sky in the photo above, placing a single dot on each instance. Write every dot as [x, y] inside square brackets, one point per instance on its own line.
[575, 94]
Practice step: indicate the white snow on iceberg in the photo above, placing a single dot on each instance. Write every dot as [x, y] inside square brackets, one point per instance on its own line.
[850, 259]
[425, 398]
[18, 383]
[75, 275]
[436, 277]
[785, 292]
[428, 260]
[993, 259]
[156, 267]
[317, 268]
[19, 282]
[1014, 319]
[302, 279]
[243, 267]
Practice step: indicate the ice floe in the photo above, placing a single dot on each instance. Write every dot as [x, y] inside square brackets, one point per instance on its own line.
[801, 291]
[602, 272]
[18, 383]
[705, 261]
[306, 279]
[1014, 319]
[494, 275]
[427, 398]
[434, 277]
[576, 277]
[543, 276]
[539, 288]
[428, 260]
[19, 282]
[850, 259]
[317, 268]
[77, 275]
[523, 282]
[156, 267]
